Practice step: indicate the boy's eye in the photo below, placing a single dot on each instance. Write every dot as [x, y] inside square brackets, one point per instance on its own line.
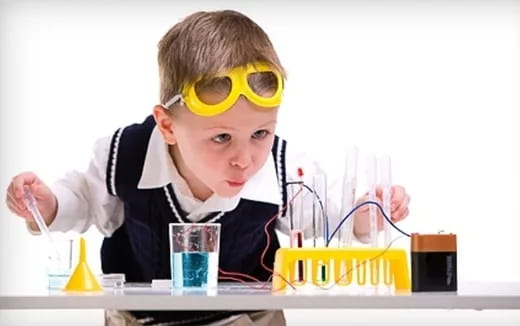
[222, 138]
[260, 134]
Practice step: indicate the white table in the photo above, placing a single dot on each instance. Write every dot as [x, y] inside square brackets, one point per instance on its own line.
[471, 295]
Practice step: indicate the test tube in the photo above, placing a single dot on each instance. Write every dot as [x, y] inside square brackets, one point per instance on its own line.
[315, 214]
[300, 201]
[345, 234]
[386, 183]
[371, 171]
[296, 235]
[296, 213]
[319, 209]
[290, 206]
[320, 223]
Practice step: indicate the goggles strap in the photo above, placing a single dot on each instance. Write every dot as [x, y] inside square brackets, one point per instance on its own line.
[172, 101]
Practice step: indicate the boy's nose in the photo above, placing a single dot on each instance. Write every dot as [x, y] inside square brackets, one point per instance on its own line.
[242, 158]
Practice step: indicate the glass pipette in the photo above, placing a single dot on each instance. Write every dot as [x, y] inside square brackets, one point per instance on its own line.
[30, 201]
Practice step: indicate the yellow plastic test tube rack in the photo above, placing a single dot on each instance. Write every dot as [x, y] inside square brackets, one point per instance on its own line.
[343, 266]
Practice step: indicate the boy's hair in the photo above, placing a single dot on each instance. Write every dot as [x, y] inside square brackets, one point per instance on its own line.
[205, 43]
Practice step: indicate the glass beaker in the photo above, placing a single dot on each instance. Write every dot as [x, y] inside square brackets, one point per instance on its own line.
[59, 263]
[194, 252]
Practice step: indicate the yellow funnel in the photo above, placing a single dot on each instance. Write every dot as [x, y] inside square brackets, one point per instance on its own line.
[82, 279]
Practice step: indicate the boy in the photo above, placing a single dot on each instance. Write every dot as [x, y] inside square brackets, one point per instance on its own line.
[208, 153]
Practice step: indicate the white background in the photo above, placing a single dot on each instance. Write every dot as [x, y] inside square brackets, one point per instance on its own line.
[433, 84]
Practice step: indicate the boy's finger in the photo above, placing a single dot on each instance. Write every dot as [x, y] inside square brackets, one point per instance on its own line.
[379, 192]
[405, 203]
[14, 209]
[361, 209]
[26, 178]
[401, 215]
[401, 212]
[400, 198]
[398, 192]
[10, 189]
[17, 203]
[35, 189]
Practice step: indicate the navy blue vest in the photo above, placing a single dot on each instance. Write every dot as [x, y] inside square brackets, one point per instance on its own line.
[140, 247]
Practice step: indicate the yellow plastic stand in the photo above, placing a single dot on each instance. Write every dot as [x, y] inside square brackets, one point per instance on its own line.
[82, 279]
[381, 265]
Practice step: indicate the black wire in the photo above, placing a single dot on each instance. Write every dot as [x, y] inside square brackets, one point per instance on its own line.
[359, 206]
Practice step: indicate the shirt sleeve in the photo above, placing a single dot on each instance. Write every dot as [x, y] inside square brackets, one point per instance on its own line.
[83, 199]
[306, 213]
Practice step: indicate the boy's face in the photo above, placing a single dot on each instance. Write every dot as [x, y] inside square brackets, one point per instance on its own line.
[219, 154]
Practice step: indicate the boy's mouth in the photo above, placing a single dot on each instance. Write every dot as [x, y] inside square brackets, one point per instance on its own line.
[235, 183]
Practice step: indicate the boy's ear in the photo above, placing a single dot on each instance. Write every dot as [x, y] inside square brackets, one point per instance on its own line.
[165, 124]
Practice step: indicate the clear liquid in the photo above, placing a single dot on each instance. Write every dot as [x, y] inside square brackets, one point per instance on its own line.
[57, 281]
[57, 275]
[194, 269]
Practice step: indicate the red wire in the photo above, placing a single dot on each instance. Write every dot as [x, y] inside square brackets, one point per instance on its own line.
[239, 274]
[269, 237]
[262, 257]
[264, 285]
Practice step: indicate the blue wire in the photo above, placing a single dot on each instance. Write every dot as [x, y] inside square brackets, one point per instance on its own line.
[326, 221]
[355, 209]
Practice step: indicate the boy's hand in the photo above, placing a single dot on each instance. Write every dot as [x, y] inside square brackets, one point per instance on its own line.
[399, 201]
[47, 202]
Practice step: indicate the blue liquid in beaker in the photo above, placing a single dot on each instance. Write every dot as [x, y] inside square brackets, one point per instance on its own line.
[194, 269]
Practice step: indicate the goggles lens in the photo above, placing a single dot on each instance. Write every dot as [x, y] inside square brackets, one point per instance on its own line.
[215, 90]
[263, 84]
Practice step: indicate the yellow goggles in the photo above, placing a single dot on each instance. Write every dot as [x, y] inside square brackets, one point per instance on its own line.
[258, 82]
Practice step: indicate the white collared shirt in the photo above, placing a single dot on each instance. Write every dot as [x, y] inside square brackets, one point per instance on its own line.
[83, 199]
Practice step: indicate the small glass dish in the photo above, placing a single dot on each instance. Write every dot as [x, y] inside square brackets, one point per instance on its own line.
[112, 281]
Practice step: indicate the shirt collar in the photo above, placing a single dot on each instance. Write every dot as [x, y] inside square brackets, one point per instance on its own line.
[159, 170]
